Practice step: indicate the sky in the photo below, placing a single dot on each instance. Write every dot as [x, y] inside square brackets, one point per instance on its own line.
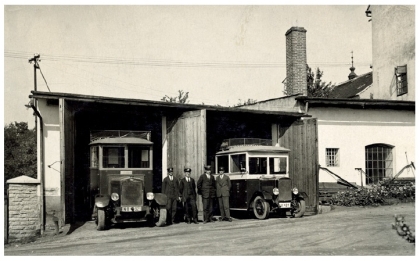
[219, 54]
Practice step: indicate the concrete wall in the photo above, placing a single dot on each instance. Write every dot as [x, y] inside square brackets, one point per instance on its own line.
[50, 116]
[288, 104]
[351, 130]
[24, 210]
[393, 44]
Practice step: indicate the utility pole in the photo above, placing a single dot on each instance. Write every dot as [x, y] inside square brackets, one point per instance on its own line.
[40, 141]
[35, 60]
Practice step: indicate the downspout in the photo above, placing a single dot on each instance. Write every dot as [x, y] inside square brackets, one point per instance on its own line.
[42, 173]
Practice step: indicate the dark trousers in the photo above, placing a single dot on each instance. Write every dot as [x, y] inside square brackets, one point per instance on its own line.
[207, 209]
[190, 208]
[224, 207]
[171, 207]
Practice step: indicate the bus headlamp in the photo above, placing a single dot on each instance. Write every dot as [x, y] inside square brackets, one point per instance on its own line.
[150, 195]
[115, 196]
[275, 191]
[295, 191]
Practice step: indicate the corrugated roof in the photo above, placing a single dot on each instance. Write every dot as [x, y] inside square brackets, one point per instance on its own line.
[351, 88]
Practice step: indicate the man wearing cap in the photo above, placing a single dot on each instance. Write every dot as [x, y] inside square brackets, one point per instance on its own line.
[188, 195]
[170, 187]
[206, 187]
[223, 192]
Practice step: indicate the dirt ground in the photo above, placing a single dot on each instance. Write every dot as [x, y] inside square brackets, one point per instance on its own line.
[345, 231]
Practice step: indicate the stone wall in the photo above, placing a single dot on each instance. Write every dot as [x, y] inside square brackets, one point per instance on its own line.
[23, 213]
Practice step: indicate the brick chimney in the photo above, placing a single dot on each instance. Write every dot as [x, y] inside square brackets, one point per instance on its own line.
[296, 61]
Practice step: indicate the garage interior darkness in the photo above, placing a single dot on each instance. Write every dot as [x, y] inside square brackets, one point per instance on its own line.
[89, 116]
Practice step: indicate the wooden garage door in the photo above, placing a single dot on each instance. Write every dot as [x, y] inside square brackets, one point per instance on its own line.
[301, 137]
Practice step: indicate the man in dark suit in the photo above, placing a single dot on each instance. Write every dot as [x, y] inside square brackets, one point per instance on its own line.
[223, 192]
[206, 187]
[188, 195]
[170, 187]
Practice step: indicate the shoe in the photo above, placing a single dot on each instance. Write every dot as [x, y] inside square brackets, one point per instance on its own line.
[195, 221]
[230, 219]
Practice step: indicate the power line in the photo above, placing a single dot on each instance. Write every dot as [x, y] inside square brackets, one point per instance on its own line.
[168, 62]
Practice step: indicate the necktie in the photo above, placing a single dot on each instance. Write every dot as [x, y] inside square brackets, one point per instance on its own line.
[188, 179]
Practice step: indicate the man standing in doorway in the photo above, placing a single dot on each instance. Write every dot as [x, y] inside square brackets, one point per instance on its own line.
[170, 187]
[223, 192]
[188, 195]
[206, 187]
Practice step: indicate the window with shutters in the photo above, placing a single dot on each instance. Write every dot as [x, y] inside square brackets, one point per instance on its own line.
[401, 79]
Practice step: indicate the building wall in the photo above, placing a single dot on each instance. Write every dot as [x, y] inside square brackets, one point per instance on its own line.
[350, 130]
[288, 104]
[393, 44]
[50, 117]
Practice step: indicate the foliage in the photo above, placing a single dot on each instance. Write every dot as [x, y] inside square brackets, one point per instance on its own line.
[181, 98]
[316, 87]
[20, 156]
[375, 195]
[246, 102]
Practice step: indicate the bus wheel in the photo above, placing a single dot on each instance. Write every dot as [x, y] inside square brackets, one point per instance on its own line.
[101, 225]
[261, 208]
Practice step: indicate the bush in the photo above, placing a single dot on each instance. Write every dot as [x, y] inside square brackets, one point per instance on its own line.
[374, 195]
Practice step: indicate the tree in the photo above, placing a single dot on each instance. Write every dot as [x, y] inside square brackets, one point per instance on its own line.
[181, 98]
[20, 156]
[316, 87]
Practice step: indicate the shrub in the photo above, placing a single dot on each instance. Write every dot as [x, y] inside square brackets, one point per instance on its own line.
[374, 195]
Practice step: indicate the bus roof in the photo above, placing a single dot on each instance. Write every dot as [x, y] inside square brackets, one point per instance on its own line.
[258, 148]
[122, 140]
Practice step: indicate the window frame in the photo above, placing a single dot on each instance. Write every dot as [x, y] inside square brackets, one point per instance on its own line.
[401, 80]
[336, 160]
[379, 162]
[126, 155]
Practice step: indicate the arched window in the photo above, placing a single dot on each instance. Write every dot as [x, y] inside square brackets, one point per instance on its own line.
[379, 163]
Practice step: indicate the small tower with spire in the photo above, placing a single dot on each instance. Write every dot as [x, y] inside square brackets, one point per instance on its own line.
[352, 73]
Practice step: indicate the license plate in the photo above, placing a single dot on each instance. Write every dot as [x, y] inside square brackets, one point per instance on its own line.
[284, 205]
[131, 209]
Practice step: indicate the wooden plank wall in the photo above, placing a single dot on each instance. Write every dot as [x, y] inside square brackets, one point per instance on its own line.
[67, 135]
[301, 137]
[186, 138]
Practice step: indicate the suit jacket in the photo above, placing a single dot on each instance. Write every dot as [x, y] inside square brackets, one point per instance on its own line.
[206, 186]
[187, 189]
[223, 186]
[170, 188]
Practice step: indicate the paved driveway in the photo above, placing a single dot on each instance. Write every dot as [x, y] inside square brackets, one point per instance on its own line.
[343, 231]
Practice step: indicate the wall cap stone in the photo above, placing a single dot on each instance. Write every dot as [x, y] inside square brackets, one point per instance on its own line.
[23, 180]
